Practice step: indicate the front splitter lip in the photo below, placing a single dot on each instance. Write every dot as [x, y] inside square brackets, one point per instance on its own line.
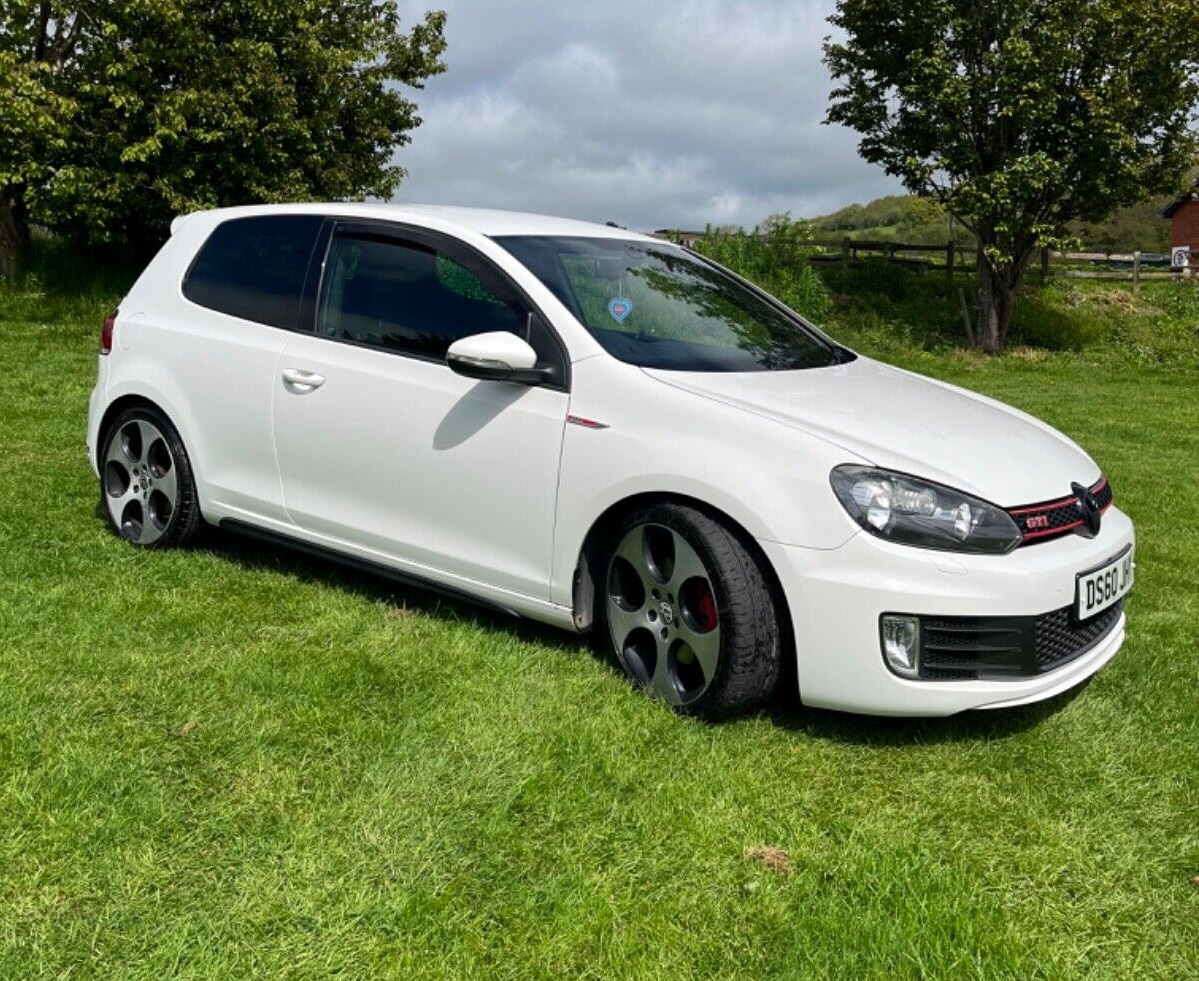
[1069, 675]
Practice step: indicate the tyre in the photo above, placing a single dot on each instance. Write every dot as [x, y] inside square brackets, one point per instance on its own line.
[146, 481]
[688, 613]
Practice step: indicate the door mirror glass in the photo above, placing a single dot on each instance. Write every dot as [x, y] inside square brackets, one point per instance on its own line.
[496, 356]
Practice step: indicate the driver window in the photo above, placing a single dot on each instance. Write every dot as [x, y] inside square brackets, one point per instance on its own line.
[406, 298]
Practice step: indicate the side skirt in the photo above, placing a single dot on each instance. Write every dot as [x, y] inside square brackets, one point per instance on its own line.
[248, 530]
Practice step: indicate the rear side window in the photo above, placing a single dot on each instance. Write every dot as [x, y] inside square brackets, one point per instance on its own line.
[254, 268]
[406, 298]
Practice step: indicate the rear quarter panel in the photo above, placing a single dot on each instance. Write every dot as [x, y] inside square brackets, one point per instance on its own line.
[210, 373]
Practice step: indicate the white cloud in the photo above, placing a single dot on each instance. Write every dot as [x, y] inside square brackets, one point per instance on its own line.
[647, 113]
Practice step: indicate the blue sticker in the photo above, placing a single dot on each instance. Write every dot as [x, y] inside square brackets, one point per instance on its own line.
[620, 308]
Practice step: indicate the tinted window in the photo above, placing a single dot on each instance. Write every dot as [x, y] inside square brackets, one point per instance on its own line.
[657, 306]
[406, 298]
[254, 268]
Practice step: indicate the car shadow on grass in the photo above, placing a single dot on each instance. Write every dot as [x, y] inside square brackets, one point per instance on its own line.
[401, 595]
[785, 710]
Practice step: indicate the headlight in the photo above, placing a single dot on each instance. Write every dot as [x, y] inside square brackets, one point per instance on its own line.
[918, 512]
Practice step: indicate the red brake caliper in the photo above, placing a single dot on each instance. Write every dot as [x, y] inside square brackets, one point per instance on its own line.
[705, 608]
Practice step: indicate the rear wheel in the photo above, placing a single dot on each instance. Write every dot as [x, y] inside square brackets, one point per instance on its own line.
[146, 480]
[689, 614]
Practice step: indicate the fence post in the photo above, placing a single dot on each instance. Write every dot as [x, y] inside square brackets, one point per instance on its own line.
[966, 316]
[1045, 264]
[845, 255]
[949, 261]
[1136, 271]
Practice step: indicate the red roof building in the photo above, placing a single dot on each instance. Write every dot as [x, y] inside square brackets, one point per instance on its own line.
[1184, 219]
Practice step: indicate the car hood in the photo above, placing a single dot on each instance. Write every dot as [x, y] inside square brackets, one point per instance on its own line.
[906, 422]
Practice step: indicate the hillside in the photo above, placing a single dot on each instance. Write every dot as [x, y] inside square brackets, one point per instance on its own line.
[908, 218]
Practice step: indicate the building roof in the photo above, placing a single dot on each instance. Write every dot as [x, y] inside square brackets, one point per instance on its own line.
[1188, 196]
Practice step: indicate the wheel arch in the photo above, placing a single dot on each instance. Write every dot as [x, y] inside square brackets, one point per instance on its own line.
[121, 404]
[588, 573]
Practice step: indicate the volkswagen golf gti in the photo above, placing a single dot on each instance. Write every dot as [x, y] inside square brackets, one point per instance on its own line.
[607, 432]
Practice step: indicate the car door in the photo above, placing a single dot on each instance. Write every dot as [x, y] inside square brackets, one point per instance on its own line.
[382, 446]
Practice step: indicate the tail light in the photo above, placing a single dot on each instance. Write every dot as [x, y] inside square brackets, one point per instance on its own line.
[106, 333]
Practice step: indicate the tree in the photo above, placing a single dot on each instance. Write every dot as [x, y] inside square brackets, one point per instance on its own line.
[1019, 117]
[165, 106]
[33, 117]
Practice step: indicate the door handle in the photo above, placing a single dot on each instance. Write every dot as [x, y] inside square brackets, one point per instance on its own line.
[302, 381]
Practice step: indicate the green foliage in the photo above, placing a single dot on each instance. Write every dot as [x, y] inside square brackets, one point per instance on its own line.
[1019, 118]
[166, 106]
[919, 220]
[1135, 228]
[895, 218]
[461, 281]
[33, 118]
[63, 281]
[1049, 318]
[874, 276]
[775, 256]
[882, 307]
[1097, 322]
[1157, 326]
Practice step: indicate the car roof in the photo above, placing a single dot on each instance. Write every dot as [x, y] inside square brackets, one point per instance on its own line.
[482, 221]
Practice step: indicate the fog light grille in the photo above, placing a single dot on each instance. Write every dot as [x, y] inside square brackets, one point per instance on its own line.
[995, 648]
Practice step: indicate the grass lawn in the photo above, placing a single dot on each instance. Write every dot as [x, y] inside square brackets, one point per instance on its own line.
[231, 762]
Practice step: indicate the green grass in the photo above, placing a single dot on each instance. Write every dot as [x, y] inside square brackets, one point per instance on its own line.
[232, 762]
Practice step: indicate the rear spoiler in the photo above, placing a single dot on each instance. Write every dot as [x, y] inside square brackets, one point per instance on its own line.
[179, 220]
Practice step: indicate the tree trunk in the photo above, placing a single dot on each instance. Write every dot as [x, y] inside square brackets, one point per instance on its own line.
[986, 333]
[12, 238]
[997, 287]
[20, 214]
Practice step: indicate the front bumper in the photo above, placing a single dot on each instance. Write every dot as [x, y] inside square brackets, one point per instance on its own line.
[836, 597]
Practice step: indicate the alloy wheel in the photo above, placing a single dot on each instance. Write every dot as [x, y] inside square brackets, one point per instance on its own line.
[662, 614]
[141, 485]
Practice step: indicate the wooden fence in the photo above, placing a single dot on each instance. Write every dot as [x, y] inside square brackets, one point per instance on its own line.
[953, 258]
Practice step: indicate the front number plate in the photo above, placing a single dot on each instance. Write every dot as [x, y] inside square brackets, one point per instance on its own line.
[1100, 588]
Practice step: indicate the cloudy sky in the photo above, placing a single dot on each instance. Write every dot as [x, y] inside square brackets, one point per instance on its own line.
[650, 113]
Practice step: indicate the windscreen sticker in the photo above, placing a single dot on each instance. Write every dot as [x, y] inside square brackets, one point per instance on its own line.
[620, 308]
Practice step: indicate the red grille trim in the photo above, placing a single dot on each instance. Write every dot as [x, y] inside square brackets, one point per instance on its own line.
[1052, 519]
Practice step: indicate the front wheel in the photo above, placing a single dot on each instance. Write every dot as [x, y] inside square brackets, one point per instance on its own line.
[146, 481]
[689, 614]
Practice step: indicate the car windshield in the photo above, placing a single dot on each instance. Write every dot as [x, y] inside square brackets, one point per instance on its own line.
[658, 306]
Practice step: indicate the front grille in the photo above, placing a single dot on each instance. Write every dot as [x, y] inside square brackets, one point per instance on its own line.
[969, 648]
[1052, 519]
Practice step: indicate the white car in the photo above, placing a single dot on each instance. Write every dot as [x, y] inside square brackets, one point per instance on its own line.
[606, 432]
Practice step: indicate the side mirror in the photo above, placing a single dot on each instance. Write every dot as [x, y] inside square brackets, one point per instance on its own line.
[496, 356]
